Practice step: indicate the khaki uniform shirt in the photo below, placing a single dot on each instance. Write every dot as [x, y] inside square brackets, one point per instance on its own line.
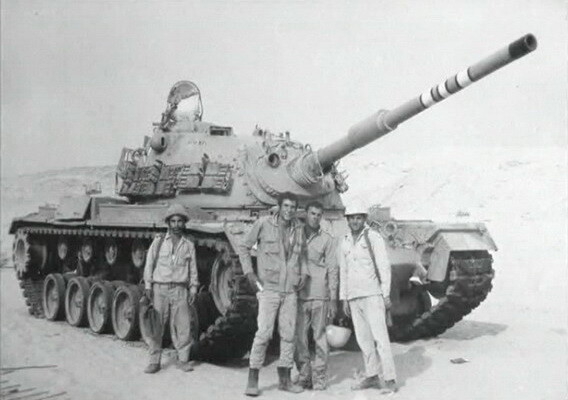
[357, 276]
[322, 268]
[276, 271]
[174, 265]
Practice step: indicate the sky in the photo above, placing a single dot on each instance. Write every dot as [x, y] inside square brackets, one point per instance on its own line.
[82, 80]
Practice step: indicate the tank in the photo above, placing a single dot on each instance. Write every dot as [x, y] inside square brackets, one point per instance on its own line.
[82, 260]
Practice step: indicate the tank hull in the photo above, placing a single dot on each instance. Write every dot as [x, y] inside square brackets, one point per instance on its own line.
[446, 261]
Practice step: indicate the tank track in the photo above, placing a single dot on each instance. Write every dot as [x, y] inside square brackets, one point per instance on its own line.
[32, 290]
[229, 336]
[470, 280]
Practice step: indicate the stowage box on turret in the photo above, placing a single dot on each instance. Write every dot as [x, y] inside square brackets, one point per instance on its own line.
[83, 259]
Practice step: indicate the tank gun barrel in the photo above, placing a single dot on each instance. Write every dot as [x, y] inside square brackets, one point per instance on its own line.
[383, 121]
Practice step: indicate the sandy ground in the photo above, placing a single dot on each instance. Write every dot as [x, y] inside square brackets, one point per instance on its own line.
[516, 342]
[514, 352]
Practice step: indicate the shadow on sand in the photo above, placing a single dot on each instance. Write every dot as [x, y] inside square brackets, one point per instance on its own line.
[411, 363]
[348, 365]
[468, 330]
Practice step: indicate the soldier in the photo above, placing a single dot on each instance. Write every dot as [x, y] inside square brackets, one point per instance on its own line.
[364, 287]
[317, 301]
[281, 273]
[171, 282]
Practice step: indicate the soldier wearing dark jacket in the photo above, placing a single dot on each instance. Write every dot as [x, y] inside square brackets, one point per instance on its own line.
[281, 273]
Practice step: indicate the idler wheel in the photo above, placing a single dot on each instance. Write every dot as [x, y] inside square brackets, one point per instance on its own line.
[29, 254]
[53, 297]
[21, 253]
[125, 309]
[99, 306]
[76, 298]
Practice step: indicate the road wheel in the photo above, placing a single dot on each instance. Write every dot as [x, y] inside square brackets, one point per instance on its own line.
[54, 297]
[222, 281]
[125, 309]
[76, 297]
[99, 306]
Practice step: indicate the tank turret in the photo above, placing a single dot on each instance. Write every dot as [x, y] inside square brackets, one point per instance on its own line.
[206, 166]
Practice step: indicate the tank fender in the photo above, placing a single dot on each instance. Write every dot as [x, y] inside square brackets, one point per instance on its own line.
[83, 206]
[149, 215]
[446, 242]
[73, 207]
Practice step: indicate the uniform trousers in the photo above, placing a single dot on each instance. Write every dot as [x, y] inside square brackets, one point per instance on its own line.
[272, 304]
[368, 315]
[311, 314]
[171, 302]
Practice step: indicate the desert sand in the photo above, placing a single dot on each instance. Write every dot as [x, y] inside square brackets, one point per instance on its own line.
[515, 342]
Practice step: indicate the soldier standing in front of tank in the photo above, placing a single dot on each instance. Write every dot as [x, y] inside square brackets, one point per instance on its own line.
[171, 282]
[281, 273]
[366, 298]
[317, 301]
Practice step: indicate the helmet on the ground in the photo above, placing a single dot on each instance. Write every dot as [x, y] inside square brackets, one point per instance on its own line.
[176, 209]
[337, 336]
[150, 322]
[356, 207]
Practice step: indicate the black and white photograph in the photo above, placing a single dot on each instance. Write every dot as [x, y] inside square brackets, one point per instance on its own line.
[283, 199]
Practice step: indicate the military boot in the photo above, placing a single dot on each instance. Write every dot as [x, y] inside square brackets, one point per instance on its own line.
[369, 382]
[390, 387]
[185, 366]
[319, 379]
[152, 368]
[252, 387]
[285, 382]
[304, 378]
[303, 381]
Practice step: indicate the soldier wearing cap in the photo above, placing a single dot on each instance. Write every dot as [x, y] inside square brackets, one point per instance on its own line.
[366, 298]
[171, 282]
[317, 301]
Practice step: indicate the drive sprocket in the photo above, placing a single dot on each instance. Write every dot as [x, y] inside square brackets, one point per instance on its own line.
[470, 278]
